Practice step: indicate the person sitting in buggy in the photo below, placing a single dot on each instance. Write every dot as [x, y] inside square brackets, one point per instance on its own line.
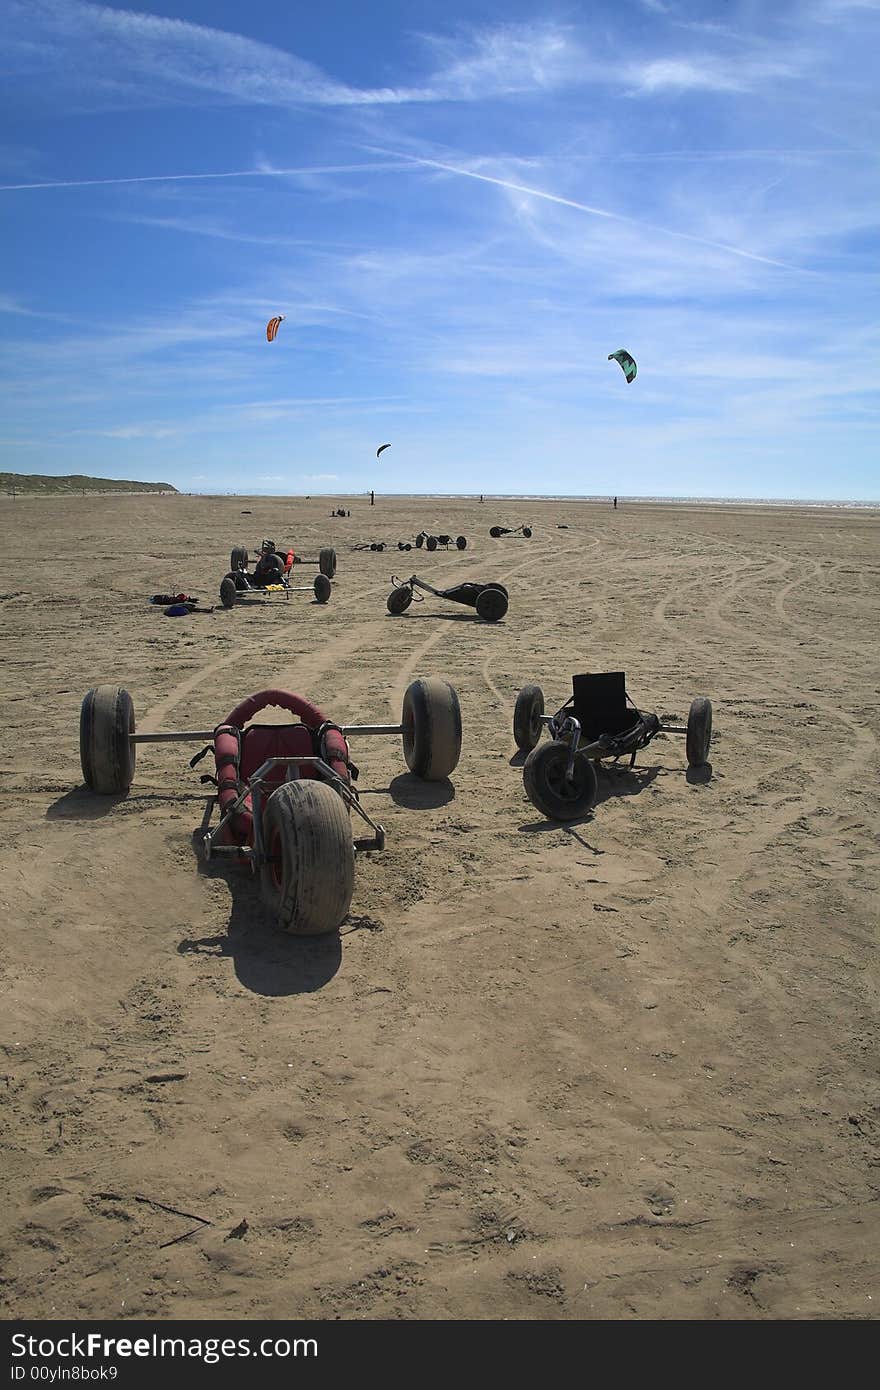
[270, 567]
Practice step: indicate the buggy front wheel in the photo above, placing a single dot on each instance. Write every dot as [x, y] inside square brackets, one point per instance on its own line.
[307, 879]
[699, 731]
[431, 729]
[548, 788]
[527, 717]
[399, 599]
[461, 542]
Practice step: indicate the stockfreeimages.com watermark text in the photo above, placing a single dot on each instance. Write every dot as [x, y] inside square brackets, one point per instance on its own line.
[95, 1345]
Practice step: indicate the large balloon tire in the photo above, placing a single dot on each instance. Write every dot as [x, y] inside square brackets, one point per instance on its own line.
[322, 587]
[327, 561]
[238, 560]
[431, 729]
[399, 599]
[527, 717]
[461, 542]
[308, 881]
[699, 731]
[548, 788]
[492, 604]
[107, 754]
[228, 591]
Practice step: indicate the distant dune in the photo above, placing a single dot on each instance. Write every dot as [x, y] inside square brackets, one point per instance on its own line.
[75, 482]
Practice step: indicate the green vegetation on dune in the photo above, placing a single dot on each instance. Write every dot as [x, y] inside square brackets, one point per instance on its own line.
[74, 482]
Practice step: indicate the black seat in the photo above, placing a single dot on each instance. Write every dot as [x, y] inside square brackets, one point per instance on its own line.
[600, 705]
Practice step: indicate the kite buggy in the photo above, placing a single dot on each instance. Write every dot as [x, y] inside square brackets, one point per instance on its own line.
[597, 721]
[270, 576]
[496, 531]
[284, 791]
[490, 600]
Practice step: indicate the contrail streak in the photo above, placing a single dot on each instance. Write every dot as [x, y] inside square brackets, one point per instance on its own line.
[180, 178]
[596, 212]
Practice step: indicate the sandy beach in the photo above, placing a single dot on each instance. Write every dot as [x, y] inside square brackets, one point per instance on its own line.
[622, 1068]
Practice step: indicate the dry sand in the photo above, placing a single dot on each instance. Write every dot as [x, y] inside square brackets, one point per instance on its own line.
[622, 1068]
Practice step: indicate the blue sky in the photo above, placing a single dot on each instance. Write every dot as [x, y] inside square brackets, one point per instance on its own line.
[461, 209]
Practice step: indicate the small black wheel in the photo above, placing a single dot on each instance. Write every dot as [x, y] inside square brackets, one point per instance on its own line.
[400, 545]
[380, 545]
[527, 531]
[327, 561]
[699, 731]
[492, 604]
[407, 546]
[420, 540]
[431, 729]
[238, 560]
[373, 545]
[495, 532]
[400, 599]
[461, 542]
[431, 543]
[548, 788]
[228, 591]
[106, 752]
[527, 717]
[322, 588]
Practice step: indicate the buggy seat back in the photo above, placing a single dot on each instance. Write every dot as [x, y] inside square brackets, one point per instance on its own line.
[239, 751]
[600, 704]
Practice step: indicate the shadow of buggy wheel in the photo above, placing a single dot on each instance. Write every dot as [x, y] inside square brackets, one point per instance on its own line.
[431, 729]
[492, 603]
[228, 591]
[548, 788]
[399, 599]
[699, 731]
[105, 749]
[308, 880]
[527, 717]
[327, 561]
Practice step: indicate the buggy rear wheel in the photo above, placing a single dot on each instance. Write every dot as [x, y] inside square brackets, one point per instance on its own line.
[420, 540]
[238, 560]
[699, 731]
[431, 729]
[400, 599]
[228, 591]
[307, 880]
[527, 717]
[327, 561]
[106, 751]
[461, 542]
[492, 603]
[431, 543]
[548, 788]
[527, 531]
[322, 588]
[495, 532]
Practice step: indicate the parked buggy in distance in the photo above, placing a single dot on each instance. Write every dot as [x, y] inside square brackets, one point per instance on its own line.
[270, 576]
[496, 531]
[284, 791]
[490, 600]
[597, 721]
[432, 542]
